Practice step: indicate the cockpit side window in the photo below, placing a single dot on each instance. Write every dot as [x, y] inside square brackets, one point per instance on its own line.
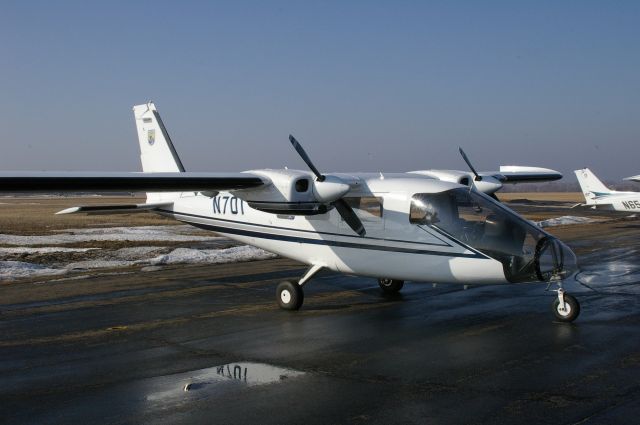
[431, 208]
[479, 222]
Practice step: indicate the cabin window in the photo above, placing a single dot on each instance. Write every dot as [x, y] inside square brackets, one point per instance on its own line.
[368, 208]
[302, 185]
[430, 208]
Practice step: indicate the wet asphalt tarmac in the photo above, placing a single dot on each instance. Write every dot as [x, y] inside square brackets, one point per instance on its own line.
[122, 348]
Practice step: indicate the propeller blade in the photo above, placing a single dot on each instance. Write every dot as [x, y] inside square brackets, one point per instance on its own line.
[466, 159]
[298, 147]
[349, 216]
[345, 211]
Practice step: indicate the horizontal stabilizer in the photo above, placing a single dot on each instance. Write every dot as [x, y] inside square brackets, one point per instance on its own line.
[46, 182]
[114, 209]
[633, 178]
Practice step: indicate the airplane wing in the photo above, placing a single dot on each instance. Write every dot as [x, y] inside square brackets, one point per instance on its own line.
[521, 174]
[633, 178]
[490, 182]
[46, 182]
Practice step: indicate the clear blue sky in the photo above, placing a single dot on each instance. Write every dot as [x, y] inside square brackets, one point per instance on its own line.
[365, 86]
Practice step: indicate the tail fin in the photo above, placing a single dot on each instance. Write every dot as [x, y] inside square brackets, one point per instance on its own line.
[591, 186]
[157, 153]
[156, 150]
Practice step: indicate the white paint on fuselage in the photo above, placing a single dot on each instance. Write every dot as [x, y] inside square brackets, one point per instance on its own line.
[614, 201]
[392, 248]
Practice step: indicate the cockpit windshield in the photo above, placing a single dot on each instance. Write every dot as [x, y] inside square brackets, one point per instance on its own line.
[526, 252]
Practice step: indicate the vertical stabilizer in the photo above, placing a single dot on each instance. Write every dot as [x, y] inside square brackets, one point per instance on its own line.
[591, 186]
[157, 153]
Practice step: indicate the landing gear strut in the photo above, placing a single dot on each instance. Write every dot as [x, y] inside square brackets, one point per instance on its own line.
[390, 286]
[565, 307]
[290, 295]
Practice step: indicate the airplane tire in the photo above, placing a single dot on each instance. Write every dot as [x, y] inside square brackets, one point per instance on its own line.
[571, 312]
[390, 286]
[289, 295]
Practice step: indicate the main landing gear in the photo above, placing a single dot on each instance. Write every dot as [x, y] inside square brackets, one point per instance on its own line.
[565, 307]
[390, 286]
[290, 295]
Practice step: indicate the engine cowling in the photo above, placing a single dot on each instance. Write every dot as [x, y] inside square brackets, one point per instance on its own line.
[294, 192]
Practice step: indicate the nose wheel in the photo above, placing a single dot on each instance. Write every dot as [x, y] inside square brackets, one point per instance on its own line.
[565, 307]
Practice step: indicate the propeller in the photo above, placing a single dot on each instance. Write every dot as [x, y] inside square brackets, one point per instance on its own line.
[488, 184]
[334, 186]
[466, 159]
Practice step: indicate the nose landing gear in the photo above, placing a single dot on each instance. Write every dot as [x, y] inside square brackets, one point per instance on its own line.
[565, 307]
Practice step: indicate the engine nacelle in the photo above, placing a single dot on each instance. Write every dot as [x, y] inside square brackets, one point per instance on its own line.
[294, 192]
[488, 184]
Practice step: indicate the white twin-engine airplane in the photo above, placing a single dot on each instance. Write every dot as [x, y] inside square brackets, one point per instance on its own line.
[412, 226]
[598, 196]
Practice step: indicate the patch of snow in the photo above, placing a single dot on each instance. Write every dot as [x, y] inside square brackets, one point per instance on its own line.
[98, 264]
[42, 250]
[564, 220]
[235, 254]
[128, 257]
[136, 252]
[10, 270]
[180, 233]
[151, 269]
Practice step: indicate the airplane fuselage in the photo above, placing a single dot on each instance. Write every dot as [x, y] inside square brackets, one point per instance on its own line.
[393, 247]
[616, 201]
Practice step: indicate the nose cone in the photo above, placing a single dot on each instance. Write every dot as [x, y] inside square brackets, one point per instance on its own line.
[554, 260]
[330, 189]
[488, 185]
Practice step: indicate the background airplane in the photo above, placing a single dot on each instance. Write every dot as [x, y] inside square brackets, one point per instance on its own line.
[633, 178]
[598, 196]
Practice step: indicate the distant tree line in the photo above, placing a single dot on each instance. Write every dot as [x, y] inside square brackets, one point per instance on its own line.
[570, 185]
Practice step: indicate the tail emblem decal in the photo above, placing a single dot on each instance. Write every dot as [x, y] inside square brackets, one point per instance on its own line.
[151, 136]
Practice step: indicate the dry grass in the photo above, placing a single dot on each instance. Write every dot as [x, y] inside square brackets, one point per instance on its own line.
[34, 215]
[543, 196]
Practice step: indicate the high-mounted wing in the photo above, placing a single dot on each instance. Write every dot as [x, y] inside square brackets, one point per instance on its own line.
[490, 182]
[43, 182]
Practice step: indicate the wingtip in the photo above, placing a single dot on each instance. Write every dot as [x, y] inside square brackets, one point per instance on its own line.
[68, 211]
